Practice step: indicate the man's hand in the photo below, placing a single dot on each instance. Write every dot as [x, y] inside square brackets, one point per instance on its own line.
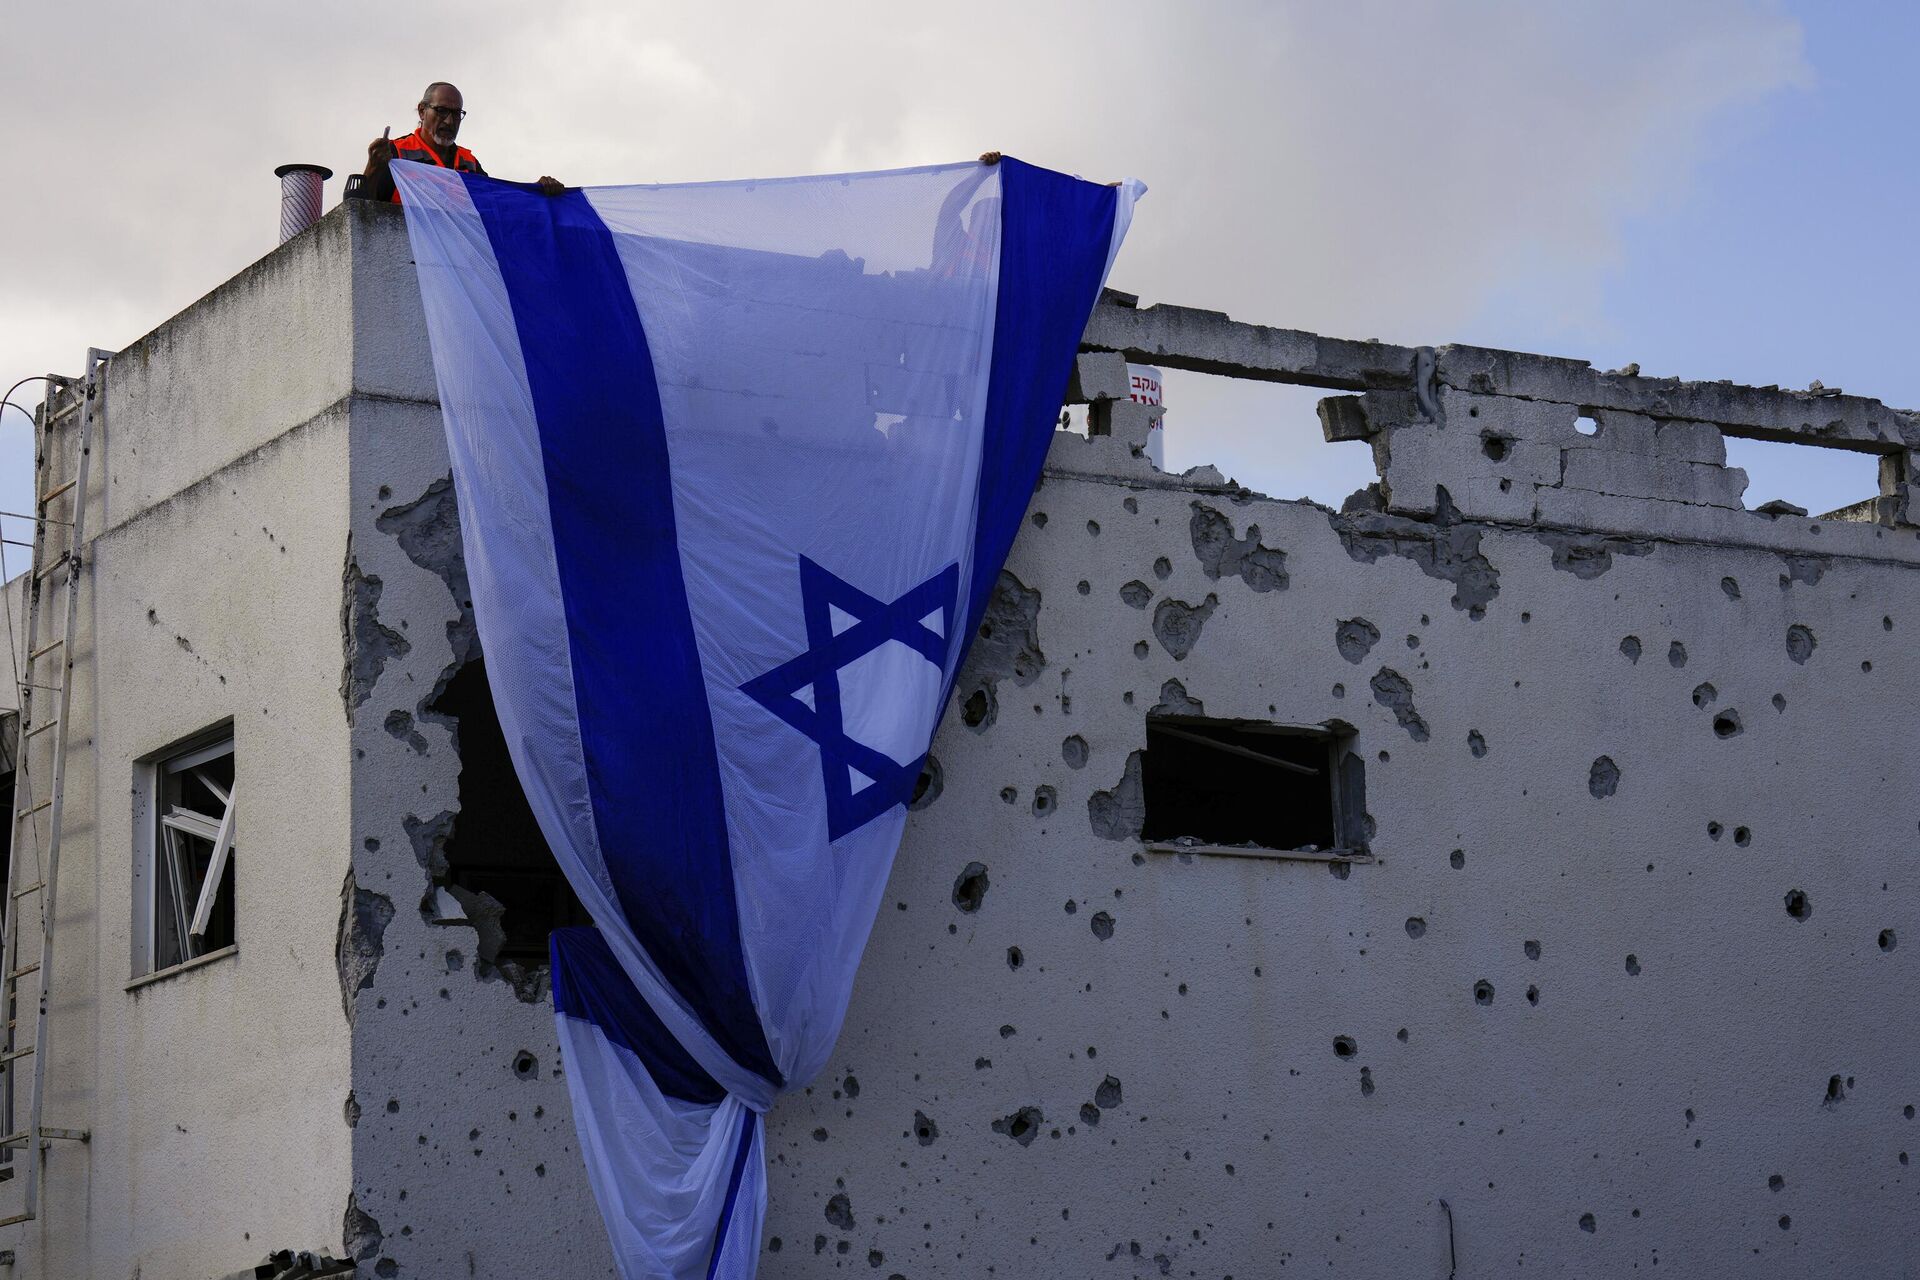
[989, 157]
[380, 151]
[550, 186]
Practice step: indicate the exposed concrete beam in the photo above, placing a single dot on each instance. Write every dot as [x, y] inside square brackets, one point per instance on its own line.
[1755, 413]
[1211, 342]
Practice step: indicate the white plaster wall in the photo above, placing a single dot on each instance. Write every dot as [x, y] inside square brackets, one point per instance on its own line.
[1659, 1102]
[268, 350]
[214, 1096]
[212, 592]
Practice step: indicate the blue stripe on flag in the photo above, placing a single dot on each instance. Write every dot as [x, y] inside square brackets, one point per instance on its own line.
[645, 726]
[742, 1145]
[590, 986]
[1055, 233]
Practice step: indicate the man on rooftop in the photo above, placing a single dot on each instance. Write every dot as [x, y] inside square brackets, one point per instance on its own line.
[441, 111]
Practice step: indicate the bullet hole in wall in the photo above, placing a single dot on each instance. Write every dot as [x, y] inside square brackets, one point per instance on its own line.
[1799, 906]
[1887, 943]
[1742, 837]
[1532, 949]
[1344, 1047]
[1023, 1126]
[1476, 743]
[1800, 643]
[1102, 925]
[1044, 799]
[1015, 958]
[1776, 1182]
[1633, 966]
[970, 887]
[1533, 994]
[1163, 568]
[1630, 647]
[1457, 859]
[1731, 587]
[1603, 779]
[1416, 927]
[1676, 655]
[1727, 724]
[1355, 638]
[1714, 830]
[526, 1066]
[1074, 751]
[928, 786]
[1483, 992]
[1704, 695]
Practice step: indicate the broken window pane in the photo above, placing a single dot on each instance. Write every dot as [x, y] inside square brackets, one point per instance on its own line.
[1239, 784]
[193, 854]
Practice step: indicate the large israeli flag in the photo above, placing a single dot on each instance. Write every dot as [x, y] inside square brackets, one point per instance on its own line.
[738, 464]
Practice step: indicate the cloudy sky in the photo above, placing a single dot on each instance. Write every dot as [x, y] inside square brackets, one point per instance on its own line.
[1715, 188]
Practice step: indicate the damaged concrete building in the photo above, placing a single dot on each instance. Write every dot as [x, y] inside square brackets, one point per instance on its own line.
[1505, 872]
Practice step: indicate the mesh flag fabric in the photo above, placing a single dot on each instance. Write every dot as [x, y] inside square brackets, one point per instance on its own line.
[737, 465]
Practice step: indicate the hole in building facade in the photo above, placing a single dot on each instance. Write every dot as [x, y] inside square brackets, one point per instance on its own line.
[497, 859]
[1243, 786]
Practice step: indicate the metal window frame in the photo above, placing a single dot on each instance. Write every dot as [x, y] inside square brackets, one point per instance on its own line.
[165, 829]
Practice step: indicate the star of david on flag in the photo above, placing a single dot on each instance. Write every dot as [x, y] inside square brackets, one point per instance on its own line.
[656, 398]
[845, 625]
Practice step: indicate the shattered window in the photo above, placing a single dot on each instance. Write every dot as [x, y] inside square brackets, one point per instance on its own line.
[192, 871]
[1239, 785]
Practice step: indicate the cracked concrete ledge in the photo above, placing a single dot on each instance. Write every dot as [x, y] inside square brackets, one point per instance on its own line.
[1187, 338]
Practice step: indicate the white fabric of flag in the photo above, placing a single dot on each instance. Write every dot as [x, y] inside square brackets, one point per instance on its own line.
[737, 465]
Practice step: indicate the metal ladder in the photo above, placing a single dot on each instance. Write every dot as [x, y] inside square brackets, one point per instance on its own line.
[62, 577]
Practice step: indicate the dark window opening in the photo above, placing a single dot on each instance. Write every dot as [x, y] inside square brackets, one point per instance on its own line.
[1242, 784]
[498, 863]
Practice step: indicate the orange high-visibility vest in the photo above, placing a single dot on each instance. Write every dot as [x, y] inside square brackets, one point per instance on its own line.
[414, 147]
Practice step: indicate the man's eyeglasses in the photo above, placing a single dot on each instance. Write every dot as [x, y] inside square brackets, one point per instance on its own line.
[445, 113]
